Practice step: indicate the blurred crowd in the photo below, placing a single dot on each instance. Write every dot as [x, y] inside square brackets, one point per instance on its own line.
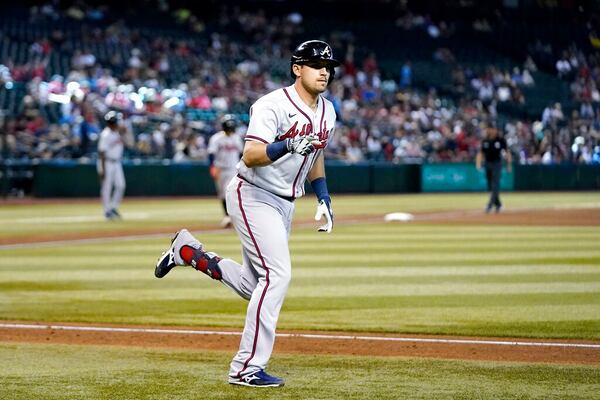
[173, 90]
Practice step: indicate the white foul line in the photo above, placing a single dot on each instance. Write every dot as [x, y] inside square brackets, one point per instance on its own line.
[301, 335]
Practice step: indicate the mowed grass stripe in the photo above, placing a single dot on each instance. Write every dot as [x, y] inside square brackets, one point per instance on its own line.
[69, 280]
[392, 259]
[130, 281]
[519, 321]
[297, 302]
[349, 290]
[356, 235]
[231, 248]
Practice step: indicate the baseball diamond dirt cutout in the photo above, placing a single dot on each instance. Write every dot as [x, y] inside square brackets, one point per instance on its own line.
[307, 342]
[334, 343]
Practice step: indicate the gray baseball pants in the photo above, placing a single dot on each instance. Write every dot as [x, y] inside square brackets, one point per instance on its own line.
[263, 222]
[113, 185]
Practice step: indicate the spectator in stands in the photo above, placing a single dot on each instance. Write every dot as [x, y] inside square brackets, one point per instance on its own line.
[159, 83]
[596, 155]
[563, 67]
[406, 75]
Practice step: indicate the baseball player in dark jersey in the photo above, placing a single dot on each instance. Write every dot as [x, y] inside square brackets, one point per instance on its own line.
[492, 150]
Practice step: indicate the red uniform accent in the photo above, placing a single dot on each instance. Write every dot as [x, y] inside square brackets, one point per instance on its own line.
[187, 254]
[251, 137]
[262, 296]
[194, 258]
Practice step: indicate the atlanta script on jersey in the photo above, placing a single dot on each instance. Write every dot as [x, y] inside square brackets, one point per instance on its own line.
[277, 116]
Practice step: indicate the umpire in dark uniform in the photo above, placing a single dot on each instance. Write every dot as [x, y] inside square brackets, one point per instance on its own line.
[493, 148]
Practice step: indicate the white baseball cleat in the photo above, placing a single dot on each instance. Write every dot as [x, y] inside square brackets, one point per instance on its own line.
[171, 258]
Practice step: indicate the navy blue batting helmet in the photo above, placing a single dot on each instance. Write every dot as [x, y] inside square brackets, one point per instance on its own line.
[228, 122]
[314, 51]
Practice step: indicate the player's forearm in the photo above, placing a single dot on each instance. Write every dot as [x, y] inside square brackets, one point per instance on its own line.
[259, 154]
[318, 169]
[255, 155]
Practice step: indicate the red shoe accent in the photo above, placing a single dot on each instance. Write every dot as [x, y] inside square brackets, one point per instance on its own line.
[201, 264]
[200, 261]
[187, 254]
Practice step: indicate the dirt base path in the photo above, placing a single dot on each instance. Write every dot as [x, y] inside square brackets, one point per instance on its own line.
[529, 217]
[534, 217]
[305, 342]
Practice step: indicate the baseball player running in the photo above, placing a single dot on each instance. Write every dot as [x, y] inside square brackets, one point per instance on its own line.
[288, 130]
[108, 166]
[224, 149]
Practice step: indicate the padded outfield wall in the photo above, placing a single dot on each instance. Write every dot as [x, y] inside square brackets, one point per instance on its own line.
[464, 177]
[166, 178]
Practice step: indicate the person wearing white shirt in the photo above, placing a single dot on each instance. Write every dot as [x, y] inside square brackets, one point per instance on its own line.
[109, 166]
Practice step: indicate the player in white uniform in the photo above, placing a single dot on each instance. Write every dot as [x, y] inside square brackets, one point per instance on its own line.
[108, 166]
[288, 130]
[224, 150]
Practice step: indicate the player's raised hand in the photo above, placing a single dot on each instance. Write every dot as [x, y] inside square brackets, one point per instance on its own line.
[304, 145]
[324, 210]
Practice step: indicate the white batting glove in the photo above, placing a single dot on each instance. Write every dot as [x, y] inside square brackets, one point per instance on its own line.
[324, 210]
[303, 145]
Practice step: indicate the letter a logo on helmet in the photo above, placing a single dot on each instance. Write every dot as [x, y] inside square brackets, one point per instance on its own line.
[311, 51]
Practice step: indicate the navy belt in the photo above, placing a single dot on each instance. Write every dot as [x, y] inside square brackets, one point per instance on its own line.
[288, 198]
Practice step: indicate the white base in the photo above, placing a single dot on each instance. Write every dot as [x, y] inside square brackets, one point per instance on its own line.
[398, 216]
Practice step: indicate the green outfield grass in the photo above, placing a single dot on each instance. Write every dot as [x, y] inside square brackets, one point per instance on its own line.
[112, 373]
[523, 281]
[482, 280]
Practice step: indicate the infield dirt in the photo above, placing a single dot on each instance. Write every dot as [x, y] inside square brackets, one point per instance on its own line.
[304, 345]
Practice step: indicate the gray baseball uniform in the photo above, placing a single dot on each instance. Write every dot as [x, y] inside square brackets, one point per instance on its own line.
[226, 150]
[260, 202]
[111, 144]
